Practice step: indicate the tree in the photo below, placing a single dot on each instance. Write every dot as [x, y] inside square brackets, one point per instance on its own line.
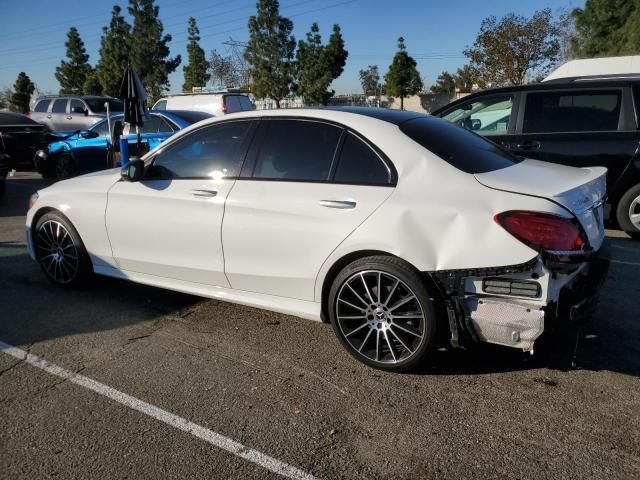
[270, 52]
[445, 83]
[222, 69]
[114, 53]
[92, 85]
[318, 65]
[403, 78]
[72, 74]
[370, 80]
[506, 51]
[21, 96]
[149, 51]
[195, 72]
[606, 28]
[466, 77]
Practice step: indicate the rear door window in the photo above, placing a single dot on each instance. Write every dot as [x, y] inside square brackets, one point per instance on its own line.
[59, 106]
[151, 125]
[485, 116]
[359, 164]
[296, 150]
[42, 106]
[77, 104]
[556, 112]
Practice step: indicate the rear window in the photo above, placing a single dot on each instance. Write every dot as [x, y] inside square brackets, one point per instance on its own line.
[550, 112]
[42, 106]
[459, 147]
[97, 105]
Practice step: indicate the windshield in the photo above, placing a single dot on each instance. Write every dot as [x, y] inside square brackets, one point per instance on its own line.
[97, 104]
[459, 147]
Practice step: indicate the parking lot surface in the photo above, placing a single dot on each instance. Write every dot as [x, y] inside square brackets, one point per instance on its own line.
[284, 387]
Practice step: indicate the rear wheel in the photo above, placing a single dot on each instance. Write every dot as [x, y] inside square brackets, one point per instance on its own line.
[628, 212]
[60, 252]
[383, 313]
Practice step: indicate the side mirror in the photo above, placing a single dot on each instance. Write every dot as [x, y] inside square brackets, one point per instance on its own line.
[476, 124]
[134, 171]
[88, 134]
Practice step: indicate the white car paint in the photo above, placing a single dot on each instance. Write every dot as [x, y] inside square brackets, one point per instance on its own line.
[271, 244]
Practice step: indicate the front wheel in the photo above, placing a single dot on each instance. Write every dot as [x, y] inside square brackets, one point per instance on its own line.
[60, 251]
[64, 167]
[383, 313]
[628, 212]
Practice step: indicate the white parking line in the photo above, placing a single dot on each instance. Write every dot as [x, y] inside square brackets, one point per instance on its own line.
[621, 262]
[215, 439]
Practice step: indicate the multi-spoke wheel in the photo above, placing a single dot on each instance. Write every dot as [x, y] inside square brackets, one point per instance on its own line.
[628, 212]
[382, 313]
[59, 250]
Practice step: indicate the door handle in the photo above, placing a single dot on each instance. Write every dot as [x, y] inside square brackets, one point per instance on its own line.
[344, 204]
[69, 117]
[204, 193]
[529, 145]
[48, 116]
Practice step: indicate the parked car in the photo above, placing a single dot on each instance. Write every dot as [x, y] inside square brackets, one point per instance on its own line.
[20, 138]
[69, 113]
[392, 225]
[88, 150]
[4, 171]
[214, 103]
[582, 122]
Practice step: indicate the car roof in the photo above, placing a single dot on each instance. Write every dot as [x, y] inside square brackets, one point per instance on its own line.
[11, 118]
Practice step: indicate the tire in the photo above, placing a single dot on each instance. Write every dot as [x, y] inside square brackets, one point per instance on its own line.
[60, 251]
[629, 205]
[64, 167]
[393, 332]
[3, 183]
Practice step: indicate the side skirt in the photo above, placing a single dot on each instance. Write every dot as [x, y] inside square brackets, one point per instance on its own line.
[288, 306]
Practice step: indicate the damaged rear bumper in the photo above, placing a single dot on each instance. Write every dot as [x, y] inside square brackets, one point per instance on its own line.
[514, 305]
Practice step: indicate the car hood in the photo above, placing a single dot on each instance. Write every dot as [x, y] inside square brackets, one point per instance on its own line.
[580, 190]
[95, 182]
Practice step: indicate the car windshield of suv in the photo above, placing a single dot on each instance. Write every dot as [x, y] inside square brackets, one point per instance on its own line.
[97, 105]
[459, 147]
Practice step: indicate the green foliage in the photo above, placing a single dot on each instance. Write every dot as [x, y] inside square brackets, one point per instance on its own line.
[195, 72]
[318, 65]
[149, 51]
[445, 83]
[114, 53]
[403, 78]
[5, 98]
[466, 77]
[606, 28]
[270, 52]
[21, 96]
[72, 74]
[370, 80]
[506, 51]
[92, 85]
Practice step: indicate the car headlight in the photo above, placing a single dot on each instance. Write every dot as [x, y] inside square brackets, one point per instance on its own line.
[33, 200]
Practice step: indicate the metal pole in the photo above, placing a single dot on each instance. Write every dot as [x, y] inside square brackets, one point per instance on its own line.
[110, 149]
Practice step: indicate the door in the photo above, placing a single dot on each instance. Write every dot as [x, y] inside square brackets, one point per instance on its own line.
[492, 116]
[41, 112]
[306, 185]
[579, 128]
[169, 224]
[57, 117]
[77, 118]
[92, 154]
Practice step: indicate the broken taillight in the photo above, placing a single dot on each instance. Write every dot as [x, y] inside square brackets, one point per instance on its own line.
[544, 231]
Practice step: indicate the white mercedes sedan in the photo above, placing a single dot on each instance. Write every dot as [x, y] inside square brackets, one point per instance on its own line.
[401, 230]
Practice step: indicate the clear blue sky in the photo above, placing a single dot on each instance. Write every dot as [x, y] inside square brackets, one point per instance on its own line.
[33, 32]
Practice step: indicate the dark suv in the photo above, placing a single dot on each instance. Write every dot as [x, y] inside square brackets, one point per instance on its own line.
[69, 113]
[582, 122]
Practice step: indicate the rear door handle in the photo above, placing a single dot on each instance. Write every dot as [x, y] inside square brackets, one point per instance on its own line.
[344, 204]
[529, 145]
[48, 116]
[203, 193]
[69, 117]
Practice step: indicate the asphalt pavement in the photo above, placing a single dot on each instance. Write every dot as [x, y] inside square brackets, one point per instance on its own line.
[192, 376]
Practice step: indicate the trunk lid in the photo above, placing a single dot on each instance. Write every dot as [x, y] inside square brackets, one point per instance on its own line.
[580, 190]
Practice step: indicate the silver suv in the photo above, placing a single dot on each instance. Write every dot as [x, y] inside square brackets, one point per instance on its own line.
[68, 113]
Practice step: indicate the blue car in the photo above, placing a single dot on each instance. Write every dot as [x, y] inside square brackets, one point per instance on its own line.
[84, 151]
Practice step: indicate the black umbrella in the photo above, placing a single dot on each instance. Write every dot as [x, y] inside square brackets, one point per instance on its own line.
[133, 95]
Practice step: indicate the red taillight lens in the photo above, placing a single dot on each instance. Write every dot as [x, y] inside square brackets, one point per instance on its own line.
[543, 231]
[224, 105]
